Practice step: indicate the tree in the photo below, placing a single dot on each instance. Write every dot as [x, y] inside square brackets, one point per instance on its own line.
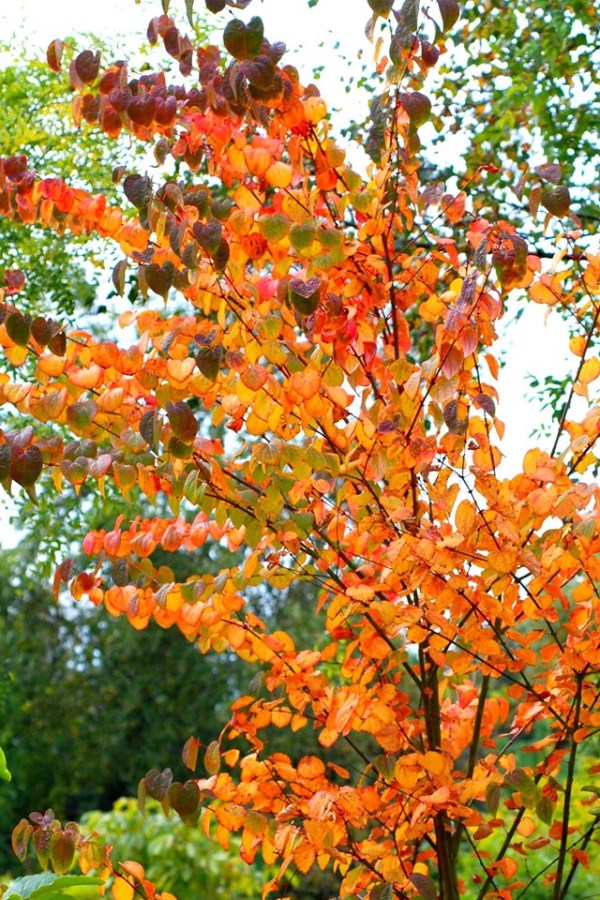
[341, 328]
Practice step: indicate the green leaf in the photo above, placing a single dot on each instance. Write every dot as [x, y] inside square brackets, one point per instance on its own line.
[49, 885]
[273, 227]
[545, 810]
[62, 851]
[302, 236]
[492, 798]
[4, 772]
[244, 41]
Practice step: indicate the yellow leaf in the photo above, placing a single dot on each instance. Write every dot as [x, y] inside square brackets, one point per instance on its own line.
[122, 889]
[589, 370]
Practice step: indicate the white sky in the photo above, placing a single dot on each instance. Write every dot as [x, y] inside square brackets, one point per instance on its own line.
[534, 346]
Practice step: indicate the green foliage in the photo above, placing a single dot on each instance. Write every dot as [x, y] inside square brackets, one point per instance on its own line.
[527, 89]
[4, 771]
[87, 705]
[49, 886]
[182, 860]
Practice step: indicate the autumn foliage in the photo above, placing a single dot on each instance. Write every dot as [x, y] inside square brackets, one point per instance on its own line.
[311, 381]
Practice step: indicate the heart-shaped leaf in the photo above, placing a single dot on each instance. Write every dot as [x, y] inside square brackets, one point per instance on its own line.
[556, 199]
[183, 421]
[418, 108]
[208, 360]
[208, 236]
[62, 851]
[18, 328]
[160, 278]
[157, 783]
[87, 66]
[244, 41]
[305, 295]
[185, 799]
[26, 467]
[138, 190]
[549, 172]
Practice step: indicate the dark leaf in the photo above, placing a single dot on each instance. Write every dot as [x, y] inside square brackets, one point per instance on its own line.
[485, 402]
[410, 14]
[545, 810]
[424, 885]
[5, 460]
[556, 199]
[141, 110]
[381, 7]
[119, 572]
[18, 328]
[87, 66]
[58, 344]
[138, 190]
[221, 257]
[14, 280]
[15, 167]
[150, 428]
[27, 467]
[418, 108]
[381, 892]
[480, 255]
[80, 415]
[305, 295]
[183, 421]
[208, 236]
[449, 11]
[160, 278]
[244, 41]
[185, 799]
[549, 172]
[260, 73]
[208, 360]
[118, 277]
[453, 423]
[492, 798]
[157, 783]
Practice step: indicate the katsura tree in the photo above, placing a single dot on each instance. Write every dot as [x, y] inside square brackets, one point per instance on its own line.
[311, 382]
